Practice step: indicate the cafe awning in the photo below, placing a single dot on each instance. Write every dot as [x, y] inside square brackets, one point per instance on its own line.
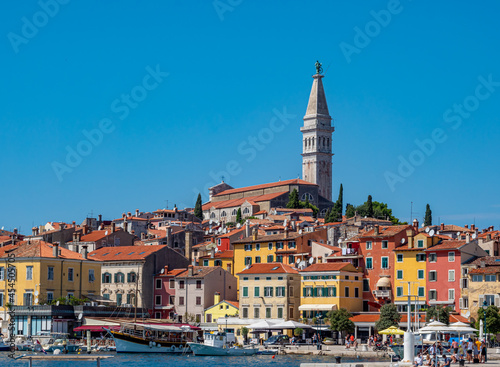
[318, 307]
[95, 328]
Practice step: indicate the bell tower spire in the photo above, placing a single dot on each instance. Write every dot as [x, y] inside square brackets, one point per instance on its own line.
[317, 138]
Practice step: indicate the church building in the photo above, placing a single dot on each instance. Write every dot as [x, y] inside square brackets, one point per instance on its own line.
[316, 182]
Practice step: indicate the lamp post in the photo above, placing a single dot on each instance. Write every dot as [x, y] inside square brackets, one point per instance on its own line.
[485, 307]
[319, 317]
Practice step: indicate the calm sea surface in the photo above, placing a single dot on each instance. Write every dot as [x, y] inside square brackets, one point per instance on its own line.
[153, 360]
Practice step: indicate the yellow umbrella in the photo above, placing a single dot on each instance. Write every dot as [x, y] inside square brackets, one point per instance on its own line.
[393, 330]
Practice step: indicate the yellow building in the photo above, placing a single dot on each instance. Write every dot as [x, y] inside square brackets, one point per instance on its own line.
[223, 259]
[221, 309]
[286, 248]
[330, 286]
[36, 272]
[410, 266]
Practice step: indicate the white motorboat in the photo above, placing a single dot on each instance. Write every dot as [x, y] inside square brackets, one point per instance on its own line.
[216, 344]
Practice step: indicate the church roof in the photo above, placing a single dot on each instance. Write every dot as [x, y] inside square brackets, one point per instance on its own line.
[295, 181]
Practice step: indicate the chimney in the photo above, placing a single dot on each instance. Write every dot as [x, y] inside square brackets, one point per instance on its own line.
[216, 298]
[320, 259]
[33, 231]
[473, 227]
[482, 264]
[85, 229]
[143, 235]
[170, 238]
[188, 245]
[294, 225]
[442, 226]
[129, 214]
[124, 215]
[467, 237]
[415, 225]
[247, 228]
[485, 230]
[255, 234]
[113, 227]
[100, 218]
[488, 237]
[137, 212]
[492, 228]
[190, 271]
[15, 231]
[285, 234]
[84, 252]
[212, 252]
[376, 230]
[74, 224]
[55, 250]
[466, 226]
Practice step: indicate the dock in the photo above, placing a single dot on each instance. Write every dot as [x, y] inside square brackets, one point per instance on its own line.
[65, 357]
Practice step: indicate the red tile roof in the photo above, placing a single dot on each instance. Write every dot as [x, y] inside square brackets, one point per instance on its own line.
[233, 303]
[487, 270]
[238, 202]
[365, 318]
[487, 260]
[447, 245]
[228, 254]
[97, 235]
[335, 266]
[38, 249]
[124, 253]
[384, 231]
[198, 271]
[129, 219]
[269, 268]
[295, 181]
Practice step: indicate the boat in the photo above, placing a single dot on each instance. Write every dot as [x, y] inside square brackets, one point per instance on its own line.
[4, 347]
[61, 344]
[152, 338]
[216, 344]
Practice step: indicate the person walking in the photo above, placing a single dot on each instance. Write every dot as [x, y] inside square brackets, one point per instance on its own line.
[470, 347]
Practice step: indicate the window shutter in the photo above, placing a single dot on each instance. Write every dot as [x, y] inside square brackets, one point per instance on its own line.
[304, 292]
[497, 300]
[116, 281]
[128, 277]
[481, 300]
[461, 303]
[103, 280]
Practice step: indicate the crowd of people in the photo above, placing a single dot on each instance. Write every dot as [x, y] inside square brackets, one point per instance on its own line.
[470, 350]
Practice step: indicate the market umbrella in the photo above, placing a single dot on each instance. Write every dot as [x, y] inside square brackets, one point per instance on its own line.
[462, 328]
[262, 325]
[393, 330]
[291, 325]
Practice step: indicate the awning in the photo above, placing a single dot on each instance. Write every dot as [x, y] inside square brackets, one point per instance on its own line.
[323, 307]
[383, 282]
[95, 328]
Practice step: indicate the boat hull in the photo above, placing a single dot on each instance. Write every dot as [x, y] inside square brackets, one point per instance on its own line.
[207, 350]
[127, 344]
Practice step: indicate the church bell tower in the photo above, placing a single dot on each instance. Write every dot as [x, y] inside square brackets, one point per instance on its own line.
[317, 139]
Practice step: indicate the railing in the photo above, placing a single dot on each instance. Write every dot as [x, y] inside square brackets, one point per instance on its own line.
[349, 251]
[382, 293]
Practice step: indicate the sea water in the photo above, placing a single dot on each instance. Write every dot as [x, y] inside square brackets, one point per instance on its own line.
[153, 360]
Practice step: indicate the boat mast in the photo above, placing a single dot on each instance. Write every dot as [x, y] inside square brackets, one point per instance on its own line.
[135, 298]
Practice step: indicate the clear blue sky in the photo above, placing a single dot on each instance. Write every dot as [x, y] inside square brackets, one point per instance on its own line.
[230, 67]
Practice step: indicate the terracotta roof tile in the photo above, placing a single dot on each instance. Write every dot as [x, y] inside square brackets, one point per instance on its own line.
[487, 270]
[124, 253]
[228, 254]
[384, 231]
[233, 303]
[488, 260]
[447, 245]
[198, 271]
[38, 249]
[269, 268]
[238, 202]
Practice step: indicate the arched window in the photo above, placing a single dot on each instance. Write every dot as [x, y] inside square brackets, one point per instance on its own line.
[308, 196]
[212, 215]
[119, 278]
[246, 211]
[223, 214]
[322, 213]
[131, 277]
[106, 277]
[234, 212]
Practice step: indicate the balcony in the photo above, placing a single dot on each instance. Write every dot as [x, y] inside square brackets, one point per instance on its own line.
[382, 293]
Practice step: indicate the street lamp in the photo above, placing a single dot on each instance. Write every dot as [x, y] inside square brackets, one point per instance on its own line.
[485, 306]
[319, 317]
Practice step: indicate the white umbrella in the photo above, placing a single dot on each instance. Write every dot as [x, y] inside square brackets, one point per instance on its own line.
[462, 327]
[291, 325]
[262, 325]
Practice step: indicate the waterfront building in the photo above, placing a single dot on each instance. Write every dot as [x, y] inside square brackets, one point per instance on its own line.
[221, 308]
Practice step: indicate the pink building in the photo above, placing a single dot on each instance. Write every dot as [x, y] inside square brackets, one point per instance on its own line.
[164, 293]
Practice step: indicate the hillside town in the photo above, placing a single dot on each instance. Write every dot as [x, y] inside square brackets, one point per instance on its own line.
[274, 252]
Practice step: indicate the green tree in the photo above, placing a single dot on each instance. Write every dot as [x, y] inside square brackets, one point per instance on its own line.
[198, 211]
[389, 316]
[244, 332]
[350, 211]
[438, 313]
[327, 215]
[428, 216]
[492, 319]
[298, 331]
[340, 200]
[369, 207]
[380, 211]
[293, 200]
[340, 320]
[238, 216]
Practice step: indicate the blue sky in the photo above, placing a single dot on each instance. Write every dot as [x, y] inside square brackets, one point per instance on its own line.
[219, 72]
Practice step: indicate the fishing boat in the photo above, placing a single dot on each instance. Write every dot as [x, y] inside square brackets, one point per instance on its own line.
[152, 338]
[216, 344]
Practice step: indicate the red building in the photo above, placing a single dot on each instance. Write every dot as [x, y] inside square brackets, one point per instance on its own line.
[164, 293]
[376, 257]
[444, 263]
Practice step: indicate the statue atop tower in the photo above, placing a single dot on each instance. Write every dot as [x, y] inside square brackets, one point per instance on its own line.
[317, 138]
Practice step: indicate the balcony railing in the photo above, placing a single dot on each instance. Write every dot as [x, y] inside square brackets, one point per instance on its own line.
[382, 293]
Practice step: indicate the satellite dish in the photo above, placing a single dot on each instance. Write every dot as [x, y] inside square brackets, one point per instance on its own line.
[437, 232]
[302, 265]
[210, 221]
[80, 316]
[431, 233]
[427, 230]
[300, 231]
[238, 225]
[402, 241]
[422, 225]
[36, 293]
[298, 260]
[339, 241]
[57, 303]
[311, 260]
[458, 234]
[474, 235]
[106, 233]
[36, 300]
[162, 271]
